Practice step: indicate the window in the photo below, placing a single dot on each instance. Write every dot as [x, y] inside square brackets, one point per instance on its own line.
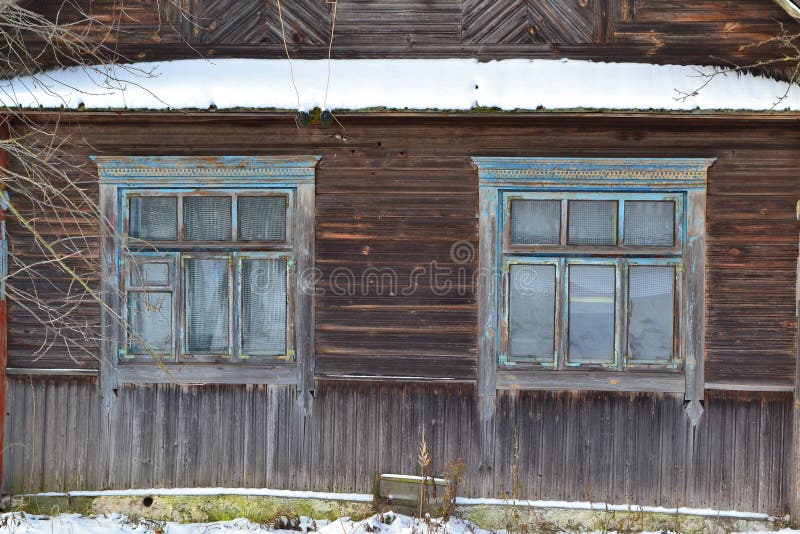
[592, 274]
[592, 279]
[209, 256]
[205, 273]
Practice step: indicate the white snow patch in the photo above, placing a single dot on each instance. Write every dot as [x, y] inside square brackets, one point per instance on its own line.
[704, 512]
[438, 84]
[388, 523]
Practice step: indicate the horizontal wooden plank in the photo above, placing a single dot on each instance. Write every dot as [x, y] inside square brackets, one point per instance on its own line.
[151, 373]
[590, 381]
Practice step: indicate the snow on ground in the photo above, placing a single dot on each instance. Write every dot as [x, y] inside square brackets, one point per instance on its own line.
[389, 523]
[423, 84]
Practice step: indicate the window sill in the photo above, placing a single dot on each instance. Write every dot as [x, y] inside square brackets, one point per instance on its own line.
[591, 380]
[207, 373]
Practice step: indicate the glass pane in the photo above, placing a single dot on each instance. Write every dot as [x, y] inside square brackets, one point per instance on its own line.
[207, 218]
[150, 320]
[262, 218]
[532, 311]
[592, 222]
[650, 223]
[536, 222]
[207, 290]
[154, 218]
[591, 312]
[652, 305]
[264, 307]
[148, 274]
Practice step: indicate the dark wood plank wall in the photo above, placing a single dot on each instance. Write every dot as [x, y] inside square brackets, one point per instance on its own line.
[660, 31]
[566, 446]
[396, 193]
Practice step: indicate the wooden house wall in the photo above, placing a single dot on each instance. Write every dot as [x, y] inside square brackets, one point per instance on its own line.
[604, 447]
[396, 191]
[655, 31]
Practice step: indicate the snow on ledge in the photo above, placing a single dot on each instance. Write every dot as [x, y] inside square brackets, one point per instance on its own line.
[421, 84]
[365, 497]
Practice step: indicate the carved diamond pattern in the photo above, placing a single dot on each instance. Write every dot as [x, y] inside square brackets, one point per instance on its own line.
[248, 22]
[528, 21]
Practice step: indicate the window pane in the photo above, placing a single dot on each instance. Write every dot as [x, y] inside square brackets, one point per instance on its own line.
[650, 224]
[207, 290]
[148, 274]
[591, 312]
[532, 306]
[154, 218]
[150, 320]
[262, 218]
[652, 298]
[592, 222]
[207, 218]
[536, 222]
[264, 307]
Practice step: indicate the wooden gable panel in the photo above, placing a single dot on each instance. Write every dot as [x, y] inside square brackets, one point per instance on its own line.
[529, 21]
[252, 22]
[410, 24]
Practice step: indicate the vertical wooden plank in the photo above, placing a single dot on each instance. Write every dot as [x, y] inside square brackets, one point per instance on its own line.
[785, 488]
[694, 290]
[765, 452]
[52, 452]
[632, 446]
[305, 325]
[794, 454]
[37, 437]
[245, 456]
[619, 459]
[257, 444]
[74, 418]
[187, 434]
[271, 437]
[487, 333]
[140, 435]
[304, 310]
[4, 134]
[109, 323]
[287, 433]
[161, 434]
[96, 472]
[504, 443]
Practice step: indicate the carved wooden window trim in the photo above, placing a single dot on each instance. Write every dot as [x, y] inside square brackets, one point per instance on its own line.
[502, 178]
[122, 178]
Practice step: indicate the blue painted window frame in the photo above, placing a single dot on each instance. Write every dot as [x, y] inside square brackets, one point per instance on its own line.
[233, 250]
[564, 255]
[503, 179]
[294, 176]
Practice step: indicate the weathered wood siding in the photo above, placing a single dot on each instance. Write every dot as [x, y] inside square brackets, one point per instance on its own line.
[600, 446]
[397, 192]
[660, 31]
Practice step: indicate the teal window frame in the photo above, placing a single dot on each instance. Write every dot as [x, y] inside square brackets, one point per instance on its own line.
[503, 179]
[122, 177]
[180, 249]
[620, 255]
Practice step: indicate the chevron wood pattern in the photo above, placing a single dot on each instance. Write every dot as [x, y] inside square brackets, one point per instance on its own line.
[554, 22]
[250, 22]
